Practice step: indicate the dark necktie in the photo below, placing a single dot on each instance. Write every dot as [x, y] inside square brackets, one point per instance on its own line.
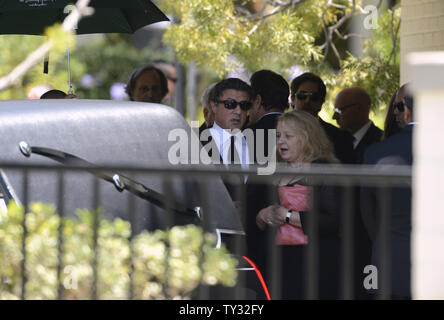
[233, 155]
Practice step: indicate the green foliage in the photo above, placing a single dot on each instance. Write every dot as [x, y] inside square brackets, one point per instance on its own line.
[212, 32]
[60, 39]
[377, 72]
[15, 49]
[220, 35]
[108, 59]
[166, 264]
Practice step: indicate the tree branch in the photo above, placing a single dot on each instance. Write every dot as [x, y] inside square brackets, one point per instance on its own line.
[326, 45]
[394, 35]
[348, 35]
[81, 9]
[334, 29]
[279, 6]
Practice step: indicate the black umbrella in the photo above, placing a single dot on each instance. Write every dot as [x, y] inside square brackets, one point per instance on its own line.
[110, 16]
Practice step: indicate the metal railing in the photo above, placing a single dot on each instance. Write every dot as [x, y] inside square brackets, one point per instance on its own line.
[346, 177]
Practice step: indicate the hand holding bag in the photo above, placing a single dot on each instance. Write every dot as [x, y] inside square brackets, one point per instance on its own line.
[295, 198]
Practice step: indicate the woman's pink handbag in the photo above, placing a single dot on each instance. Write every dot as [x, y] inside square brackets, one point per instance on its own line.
[295, 198]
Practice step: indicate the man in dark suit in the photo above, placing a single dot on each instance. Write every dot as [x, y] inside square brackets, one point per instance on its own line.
[308, 93]
[271, 100]
[230, 102]
[395, 150]
[352, 108]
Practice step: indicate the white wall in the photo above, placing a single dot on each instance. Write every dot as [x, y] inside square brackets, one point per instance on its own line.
[422, 29]
[427, 74]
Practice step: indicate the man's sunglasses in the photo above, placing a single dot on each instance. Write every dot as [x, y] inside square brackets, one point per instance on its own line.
[342, 109]
[399, 105]
[231, 104]
[314, 96]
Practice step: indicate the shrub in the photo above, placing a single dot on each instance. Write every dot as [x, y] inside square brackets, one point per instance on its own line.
[162, 264]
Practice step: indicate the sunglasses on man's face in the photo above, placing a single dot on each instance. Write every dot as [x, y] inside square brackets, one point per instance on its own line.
[314, 96]
[399, 105]
[231, 104]
[340, 110]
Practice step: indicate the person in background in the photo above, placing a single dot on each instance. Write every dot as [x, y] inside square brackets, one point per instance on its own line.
[352, 109]
[271, 92]
[206, 107]
[302, 141]
[271, 100]
[37, 91]
[147, 84]
[169, 70]
[231, 100]
[308, 93]
[393, 120]
[398, 110]
[394, 151]
[57, 94]
[390, 125]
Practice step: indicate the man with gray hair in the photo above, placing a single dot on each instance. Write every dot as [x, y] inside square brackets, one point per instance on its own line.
[206, 106]
[147, 84]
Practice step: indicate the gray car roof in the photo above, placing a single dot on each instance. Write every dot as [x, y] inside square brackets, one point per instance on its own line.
[120, 133]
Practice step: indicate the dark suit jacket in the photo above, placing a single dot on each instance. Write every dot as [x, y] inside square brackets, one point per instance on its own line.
[396, 150]
[342, 142]
[259, 196]
[362, 244]
[232, 188]
[373, 135]
[268, 121]
[202, 128]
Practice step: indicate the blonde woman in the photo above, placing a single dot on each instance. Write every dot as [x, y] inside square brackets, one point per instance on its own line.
[302, 141]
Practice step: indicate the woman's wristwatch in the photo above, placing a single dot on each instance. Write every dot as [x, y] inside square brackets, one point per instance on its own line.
[287, 218]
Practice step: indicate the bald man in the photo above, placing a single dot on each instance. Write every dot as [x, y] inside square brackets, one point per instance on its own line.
[352, 108]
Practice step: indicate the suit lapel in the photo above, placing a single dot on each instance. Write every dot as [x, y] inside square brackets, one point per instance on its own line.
[371, 136]
[209, 146]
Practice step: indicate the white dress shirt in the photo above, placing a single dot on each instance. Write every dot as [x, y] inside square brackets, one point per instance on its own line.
[222, 137]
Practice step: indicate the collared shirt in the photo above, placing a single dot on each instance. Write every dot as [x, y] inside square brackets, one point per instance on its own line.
[221, 138]
[358, 135]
